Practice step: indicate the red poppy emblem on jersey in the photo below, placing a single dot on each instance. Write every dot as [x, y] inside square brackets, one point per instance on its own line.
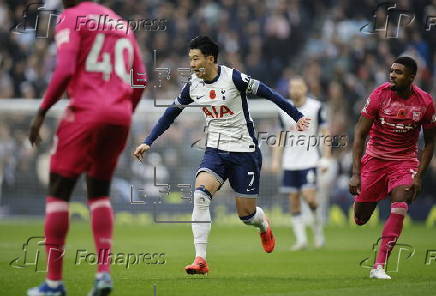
[401, 113]
[212, 94]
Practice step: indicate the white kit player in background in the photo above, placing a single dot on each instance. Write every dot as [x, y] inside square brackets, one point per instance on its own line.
[302, 164]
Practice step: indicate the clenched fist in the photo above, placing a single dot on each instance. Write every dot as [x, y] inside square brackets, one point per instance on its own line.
[139, 151]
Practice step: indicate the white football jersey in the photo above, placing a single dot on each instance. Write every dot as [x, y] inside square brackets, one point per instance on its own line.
[229, 126]
[301, 149]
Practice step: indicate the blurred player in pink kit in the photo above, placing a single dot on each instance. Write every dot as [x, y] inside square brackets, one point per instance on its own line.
[393, 115]
[93, 65]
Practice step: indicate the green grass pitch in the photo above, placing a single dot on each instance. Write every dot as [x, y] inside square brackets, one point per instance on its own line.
[238, 265]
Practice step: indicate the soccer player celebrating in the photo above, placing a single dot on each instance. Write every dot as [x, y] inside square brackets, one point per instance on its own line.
[232, 150]
[94, 66]
[300, 162]
[393, 116]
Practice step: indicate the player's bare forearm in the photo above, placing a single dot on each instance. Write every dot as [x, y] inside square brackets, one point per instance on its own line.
[326, 149]
[357, 155]
[360, 133]
[427, 153]
[35, 126]
[426, 156]
[41, 112]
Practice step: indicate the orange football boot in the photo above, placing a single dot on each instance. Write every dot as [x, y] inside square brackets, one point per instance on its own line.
[198, 267]
[267, 238]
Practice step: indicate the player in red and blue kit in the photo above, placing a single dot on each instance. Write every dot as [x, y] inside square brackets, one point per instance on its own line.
[393, 116]
[93, 65]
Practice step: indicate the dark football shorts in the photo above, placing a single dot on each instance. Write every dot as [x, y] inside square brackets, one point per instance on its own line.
[241, 168]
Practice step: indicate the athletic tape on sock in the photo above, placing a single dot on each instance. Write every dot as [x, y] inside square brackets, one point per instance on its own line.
[203, 189]
[246, 219]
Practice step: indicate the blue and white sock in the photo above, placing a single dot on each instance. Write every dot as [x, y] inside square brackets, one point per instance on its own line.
[201, 212]
[257, 219]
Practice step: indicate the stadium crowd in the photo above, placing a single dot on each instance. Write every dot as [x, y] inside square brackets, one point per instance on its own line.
[321, 40]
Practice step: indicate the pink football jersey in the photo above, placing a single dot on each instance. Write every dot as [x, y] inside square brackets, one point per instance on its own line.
[95, 54]
[397, 122]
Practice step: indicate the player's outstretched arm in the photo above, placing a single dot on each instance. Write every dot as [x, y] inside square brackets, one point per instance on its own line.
[268, 93]
[162, 125]
[165, 121]
[253, 86]
[361, 131]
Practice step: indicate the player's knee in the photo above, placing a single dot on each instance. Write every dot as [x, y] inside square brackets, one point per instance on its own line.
[97, 187]
[61, 187]
[202, 198]
[360, 220]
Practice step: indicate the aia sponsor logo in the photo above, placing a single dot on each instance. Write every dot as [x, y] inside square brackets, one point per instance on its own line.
[217, 112]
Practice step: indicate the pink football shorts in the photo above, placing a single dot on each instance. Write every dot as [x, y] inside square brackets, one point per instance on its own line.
[379, 177]
[92, 147]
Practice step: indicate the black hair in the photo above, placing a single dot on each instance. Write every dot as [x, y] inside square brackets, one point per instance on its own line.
[409, 63]
[206, 45]
[72, 3]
